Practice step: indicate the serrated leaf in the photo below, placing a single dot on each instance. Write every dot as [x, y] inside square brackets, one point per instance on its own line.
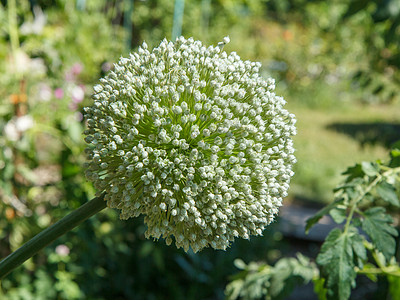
[337, 260]
[349, 185]
[251, 283]
[322, 212]
[359, 249]
[395, 153]
[376, 224]
[238, 263]
[371, 275]
[289, 272]
[233, 289]
[369, 168]
[388, 193]
[353, 172]
[356, 222]
[338, 214]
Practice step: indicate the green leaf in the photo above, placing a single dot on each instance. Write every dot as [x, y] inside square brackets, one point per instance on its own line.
[238, 263]
[370, 274]
[233, 289]
[395, 155]
[369, 168]
[324, 211]
[388, 193]
[353, 172]
[288, 273]
[376, 224]
[251, 283]
[338, 214]
[359, 249]
[337, 260]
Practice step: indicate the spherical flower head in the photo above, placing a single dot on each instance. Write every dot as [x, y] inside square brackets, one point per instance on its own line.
[194, 139]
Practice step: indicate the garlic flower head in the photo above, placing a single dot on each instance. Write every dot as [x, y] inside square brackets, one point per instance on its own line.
[194, 139]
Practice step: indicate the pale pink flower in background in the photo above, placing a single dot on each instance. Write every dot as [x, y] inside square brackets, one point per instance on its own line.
[45, 92]
[106, 67]
[59, 93]
[77, 93]
[78, 116]
[74, 71]
[62, 250]
[72, 106]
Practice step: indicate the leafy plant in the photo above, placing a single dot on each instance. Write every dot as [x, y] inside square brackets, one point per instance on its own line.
[258, 279]
[364, 245]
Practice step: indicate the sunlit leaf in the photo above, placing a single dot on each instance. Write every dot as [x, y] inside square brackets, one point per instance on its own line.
[369, 168]
[388, 193]
[288, 273]
[336, 259]
[324, 211]
[377, 224]
[353, 172]
[338, 214]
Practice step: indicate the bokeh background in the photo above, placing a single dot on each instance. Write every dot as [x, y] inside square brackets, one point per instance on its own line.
[336, 63]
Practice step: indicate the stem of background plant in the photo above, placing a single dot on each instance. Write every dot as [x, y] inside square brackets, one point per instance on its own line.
[128, 11]
[50, 234]
[366, 191]
[178, 19]
[13, 28]
[359, 198]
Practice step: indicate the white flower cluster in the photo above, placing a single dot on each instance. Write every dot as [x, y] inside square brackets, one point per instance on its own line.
[192, 138]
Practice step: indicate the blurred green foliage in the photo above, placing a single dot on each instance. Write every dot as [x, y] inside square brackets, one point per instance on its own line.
[322, 53]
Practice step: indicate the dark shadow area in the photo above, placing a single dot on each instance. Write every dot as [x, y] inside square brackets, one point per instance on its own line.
[382, 133]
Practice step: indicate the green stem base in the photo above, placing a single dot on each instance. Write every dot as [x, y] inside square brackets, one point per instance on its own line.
[50, 234]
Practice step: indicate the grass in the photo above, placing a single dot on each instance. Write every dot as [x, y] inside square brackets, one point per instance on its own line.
[330, 139]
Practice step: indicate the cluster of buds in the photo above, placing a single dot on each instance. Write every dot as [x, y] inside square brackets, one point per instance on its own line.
[194, 139]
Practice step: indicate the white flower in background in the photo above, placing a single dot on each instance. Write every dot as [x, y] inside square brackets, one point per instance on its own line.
[194, 139]
[45, 92]
[21, 63]
[16, 126]
[77, 93]
[62, 250]
[35, 27]
[11, 132]
[24, 123]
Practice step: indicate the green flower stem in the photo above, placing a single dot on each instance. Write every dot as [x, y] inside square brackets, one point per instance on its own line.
[50, 234]
[359, 198]
[390, 270]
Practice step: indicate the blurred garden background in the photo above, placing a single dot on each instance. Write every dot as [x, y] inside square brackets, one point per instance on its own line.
[335, 62]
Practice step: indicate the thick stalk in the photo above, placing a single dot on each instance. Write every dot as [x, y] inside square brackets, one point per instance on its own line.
[50, 234]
